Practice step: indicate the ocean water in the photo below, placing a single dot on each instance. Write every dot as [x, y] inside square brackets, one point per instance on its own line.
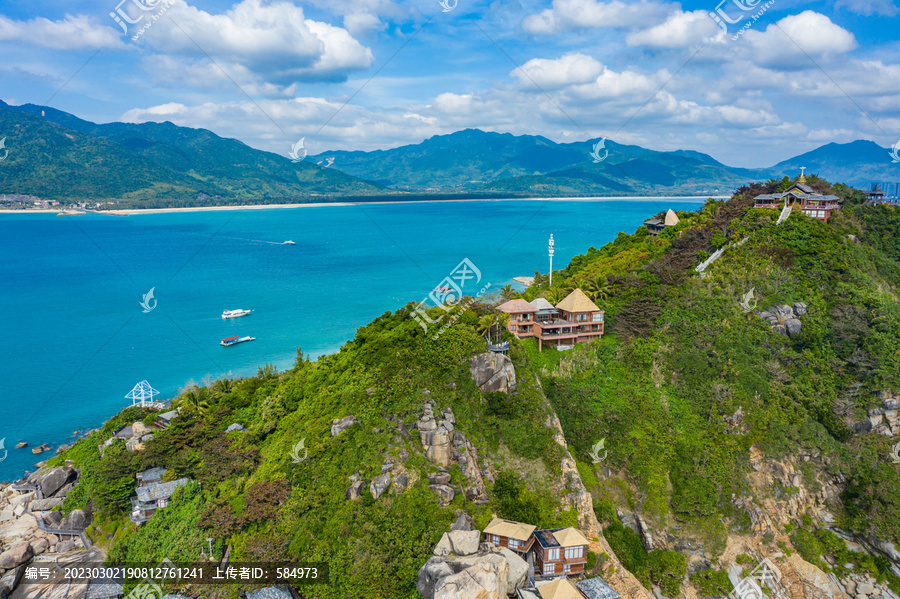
[75, 338]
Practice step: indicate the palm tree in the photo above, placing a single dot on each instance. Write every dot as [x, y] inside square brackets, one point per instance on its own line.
[194, 401]
[557, 294]
[599, 288]
[507, 293]
[223, 387]
[485, 323]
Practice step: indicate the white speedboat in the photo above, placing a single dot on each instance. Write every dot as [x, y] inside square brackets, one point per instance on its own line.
[288, 242]
[235, 313]
[235, 340]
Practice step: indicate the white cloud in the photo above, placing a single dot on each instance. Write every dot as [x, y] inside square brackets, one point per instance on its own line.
[272, 40]
[550, 74]
[887, 8]
[567, 15]
[204, 75]
[794, 40]
[829, 135]
[363, 24]
[762, 90]
[681, 29]
[352, 127]
[70, 33]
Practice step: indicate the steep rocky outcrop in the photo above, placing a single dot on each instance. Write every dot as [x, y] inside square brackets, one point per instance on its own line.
[445, 445]
[575, 495]
[493, 372]
[884, 419]
[26, 531]
[461, 568]
[339, 425]
[785, 320]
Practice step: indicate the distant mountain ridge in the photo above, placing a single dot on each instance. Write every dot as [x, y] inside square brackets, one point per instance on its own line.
[859, 163]
[474, 159]
[56, 155]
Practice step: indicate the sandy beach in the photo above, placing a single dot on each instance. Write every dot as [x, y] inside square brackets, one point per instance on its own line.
[135, 211]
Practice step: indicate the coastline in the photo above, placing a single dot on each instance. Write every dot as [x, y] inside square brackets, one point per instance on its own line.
[94, 426]
[136, 211]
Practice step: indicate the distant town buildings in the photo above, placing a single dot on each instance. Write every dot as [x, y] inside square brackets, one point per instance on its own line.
[26, 202]
[574, 320]
[803, 197]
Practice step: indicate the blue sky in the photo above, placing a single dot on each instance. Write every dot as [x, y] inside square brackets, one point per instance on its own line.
[369, 74]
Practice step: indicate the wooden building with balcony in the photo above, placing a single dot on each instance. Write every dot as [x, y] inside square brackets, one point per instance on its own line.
[559, 551]
[515, 536]
[573, 320]
[521, 317]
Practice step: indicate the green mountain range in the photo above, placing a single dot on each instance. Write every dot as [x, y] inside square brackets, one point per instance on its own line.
[59, 156]
[533, 165]
[55, 155]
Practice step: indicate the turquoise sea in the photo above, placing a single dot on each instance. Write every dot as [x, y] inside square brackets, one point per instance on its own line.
[75, 338]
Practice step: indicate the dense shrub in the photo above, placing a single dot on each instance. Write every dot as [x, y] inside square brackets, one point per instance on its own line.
[711, 582]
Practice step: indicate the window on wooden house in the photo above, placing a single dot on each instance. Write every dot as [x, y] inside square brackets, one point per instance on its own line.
[574, 552]
[553, 553]
[549, 569]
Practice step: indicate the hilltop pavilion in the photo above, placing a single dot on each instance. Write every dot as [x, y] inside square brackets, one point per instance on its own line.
[803, 197]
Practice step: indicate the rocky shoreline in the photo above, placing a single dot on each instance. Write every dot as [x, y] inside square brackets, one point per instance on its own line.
[32, 526]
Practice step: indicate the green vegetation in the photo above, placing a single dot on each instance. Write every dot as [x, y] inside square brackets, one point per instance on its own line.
[823, 548]
[251, 496]
[662, 387]
[664, 568]
[711, 582]
[682, 355]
